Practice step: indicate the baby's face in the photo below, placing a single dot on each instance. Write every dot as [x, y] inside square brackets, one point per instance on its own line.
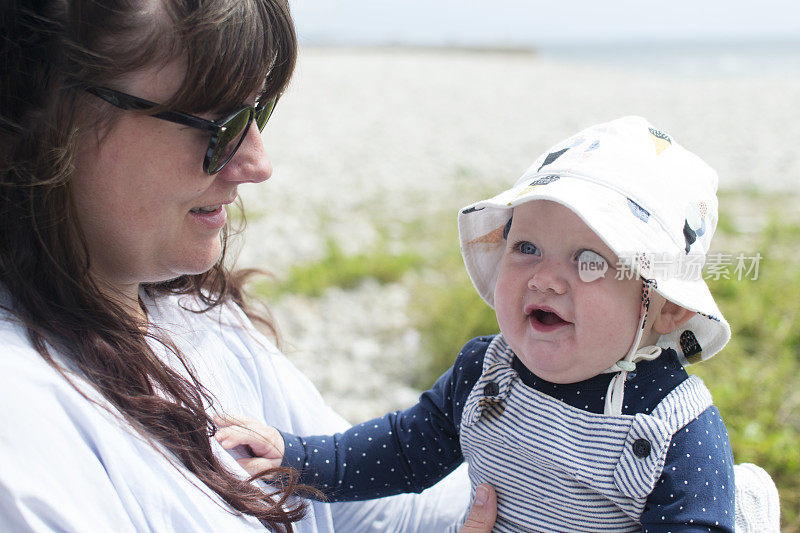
[565, 322]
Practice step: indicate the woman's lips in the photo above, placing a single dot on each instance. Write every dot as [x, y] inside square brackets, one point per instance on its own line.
[211, 219]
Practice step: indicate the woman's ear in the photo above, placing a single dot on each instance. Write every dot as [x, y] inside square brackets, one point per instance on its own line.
[670, 317]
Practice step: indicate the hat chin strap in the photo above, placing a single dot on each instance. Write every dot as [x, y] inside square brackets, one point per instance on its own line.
[616, 389]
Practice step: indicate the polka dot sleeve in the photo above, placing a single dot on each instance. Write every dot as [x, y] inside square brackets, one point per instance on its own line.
[404, 451]
[696, 488]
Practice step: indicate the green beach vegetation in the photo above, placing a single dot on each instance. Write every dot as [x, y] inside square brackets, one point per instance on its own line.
[336, 269]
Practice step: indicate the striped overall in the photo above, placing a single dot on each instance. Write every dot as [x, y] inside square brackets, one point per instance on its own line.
[558, 468]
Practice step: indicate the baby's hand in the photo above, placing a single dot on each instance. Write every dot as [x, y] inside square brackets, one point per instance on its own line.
[265, 442]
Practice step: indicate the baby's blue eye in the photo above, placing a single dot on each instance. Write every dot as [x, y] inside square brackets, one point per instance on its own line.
[526, 247]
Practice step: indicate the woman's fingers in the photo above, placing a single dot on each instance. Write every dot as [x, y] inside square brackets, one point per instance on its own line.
[483, 512]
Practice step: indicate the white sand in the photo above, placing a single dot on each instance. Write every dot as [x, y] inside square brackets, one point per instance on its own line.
[390, 135]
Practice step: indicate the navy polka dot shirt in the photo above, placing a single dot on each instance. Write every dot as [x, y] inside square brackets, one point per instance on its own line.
[408, 451]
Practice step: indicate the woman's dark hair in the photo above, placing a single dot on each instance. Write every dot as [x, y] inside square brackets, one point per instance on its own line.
[49, 52]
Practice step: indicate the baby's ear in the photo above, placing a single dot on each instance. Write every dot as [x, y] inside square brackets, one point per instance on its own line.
[670, 317]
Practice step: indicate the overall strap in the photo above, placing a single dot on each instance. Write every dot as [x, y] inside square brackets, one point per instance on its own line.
[647, 443]
[685, 403]
[493, 386]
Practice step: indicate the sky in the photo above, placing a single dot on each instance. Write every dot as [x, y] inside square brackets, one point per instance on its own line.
[539, 24]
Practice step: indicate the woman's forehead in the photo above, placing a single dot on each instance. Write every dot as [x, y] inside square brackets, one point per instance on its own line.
[161, 82]
[199, 69]
[157, 83]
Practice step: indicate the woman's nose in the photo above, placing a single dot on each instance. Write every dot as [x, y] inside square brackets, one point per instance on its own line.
[547, 277]
[250, 163]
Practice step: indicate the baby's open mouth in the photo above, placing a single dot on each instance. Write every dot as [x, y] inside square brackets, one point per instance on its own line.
[546, 319]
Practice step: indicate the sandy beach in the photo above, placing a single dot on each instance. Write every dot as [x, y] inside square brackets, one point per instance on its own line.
[374, 137]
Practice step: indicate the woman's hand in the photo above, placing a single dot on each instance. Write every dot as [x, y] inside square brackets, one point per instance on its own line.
[265, 442]
[483, 512]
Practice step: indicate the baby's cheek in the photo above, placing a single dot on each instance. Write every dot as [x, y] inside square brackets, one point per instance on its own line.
[626, 292]
[609, 307]
[505, 290]
[503, 314]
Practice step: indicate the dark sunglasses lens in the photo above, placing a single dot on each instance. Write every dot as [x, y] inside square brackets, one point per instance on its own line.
[230, 137]
[264, 111]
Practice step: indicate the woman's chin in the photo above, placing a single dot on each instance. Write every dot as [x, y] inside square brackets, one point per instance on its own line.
[196, 262]
[202, 267]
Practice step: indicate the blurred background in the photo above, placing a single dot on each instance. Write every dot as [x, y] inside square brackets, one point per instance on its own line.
[400, 113]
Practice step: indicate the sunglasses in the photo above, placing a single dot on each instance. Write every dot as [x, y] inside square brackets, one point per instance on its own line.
[227, 133]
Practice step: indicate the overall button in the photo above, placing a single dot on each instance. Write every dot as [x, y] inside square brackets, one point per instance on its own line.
[491, 389]
[641, 448]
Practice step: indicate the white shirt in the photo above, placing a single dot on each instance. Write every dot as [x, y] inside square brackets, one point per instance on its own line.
[67, 464]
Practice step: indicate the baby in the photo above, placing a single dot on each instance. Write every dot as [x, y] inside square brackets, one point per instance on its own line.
[579, 412]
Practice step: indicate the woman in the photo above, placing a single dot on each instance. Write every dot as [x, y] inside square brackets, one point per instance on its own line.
[125, 129]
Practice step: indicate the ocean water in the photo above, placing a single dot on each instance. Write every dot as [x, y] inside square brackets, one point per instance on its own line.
[677, 60]
[697, 60]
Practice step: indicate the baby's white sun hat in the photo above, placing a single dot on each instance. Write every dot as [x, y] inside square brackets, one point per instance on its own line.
[650, 200]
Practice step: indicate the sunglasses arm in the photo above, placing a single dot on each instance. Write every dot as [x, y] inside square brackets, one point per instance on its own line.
[189, 120]
[127, 101]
